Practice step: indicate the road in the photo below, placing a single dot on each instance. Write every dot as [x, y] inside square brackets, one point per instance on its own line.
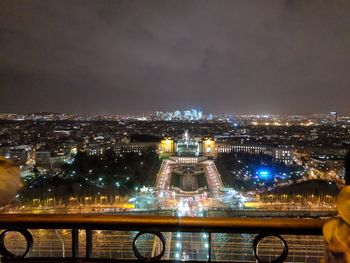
[164, 175]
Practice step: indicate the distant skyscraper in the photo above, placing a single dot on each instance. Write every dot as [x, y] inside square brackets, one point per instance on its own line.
[200, 114]
[334, 116]
[194, 114]
[177, 114]
[187, 114]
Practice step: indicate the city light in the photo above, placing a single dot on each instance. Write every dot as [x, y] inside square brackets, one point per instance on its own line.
[264, 173]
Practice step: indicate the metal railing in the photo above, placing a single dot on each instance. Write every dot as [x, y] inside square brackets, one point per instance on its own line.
[270, 227]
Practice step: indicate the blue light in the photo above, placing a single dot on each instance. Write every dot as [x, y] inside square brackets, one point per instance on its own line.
[264, 173]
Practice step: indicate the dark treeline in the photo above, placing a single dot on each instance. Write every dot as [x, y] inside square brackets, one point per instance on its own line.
[108, 174]
[234, 166]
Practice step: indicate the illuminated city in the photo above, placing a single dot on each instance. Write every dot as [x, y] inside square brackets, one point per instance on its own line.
[244, 168]
[168, 131]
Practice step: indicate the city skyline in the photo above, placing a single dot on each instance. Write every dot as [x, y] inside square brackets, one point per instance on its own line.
[126, 57]
[174, 112]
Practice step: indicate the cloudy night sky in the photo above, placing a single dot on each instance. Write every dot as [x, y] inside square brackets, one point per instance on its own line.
[118, 57]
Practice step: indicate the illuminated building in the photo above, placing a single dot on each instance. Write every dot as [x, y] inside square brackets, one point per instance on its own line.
[334, 116]
[167, 146]
[187, 146]
[200, 115]
[119, 148]
[243, 148]
[209, 147]
[42, 158]
[19, 154]
[283, 154]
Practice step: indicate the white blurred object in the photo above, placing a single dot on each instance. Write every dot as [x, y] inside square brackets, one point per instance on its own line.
[10, 181]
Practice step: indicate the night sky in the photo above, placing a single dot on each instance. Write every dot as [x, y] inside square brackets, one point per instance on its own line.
[119, 57]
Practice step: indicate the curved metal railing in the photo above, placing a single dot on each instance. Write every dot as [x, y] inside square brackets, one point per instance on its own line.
[263, 227]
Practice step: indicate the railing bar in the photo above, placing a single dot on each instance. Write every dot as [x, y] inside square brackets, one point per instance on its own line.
[88, 236]
[75, 243]
[151, 223]
[209, 247]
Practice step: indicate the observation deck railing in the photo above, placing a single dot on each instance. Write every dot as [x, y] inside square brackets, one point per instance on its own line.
[148, 224]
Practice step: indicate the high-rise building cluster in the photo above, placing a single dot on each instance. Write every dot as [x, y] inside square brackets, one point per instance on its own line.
[192, 114]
